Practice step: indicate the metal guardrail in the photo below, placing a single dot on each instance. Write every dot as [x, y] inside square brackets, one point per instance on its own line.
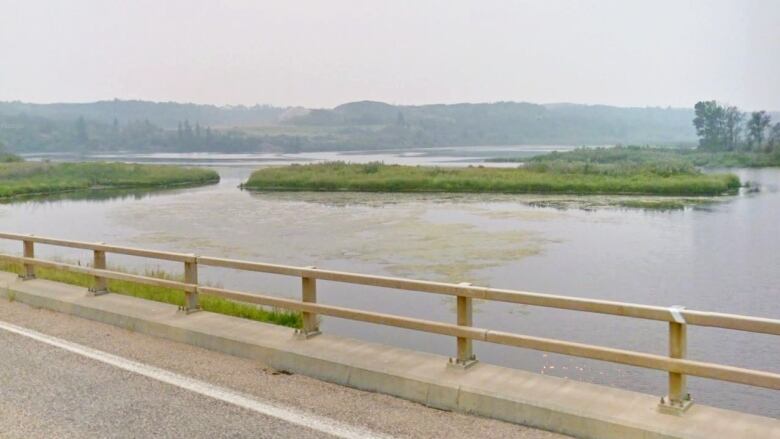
[675, 364]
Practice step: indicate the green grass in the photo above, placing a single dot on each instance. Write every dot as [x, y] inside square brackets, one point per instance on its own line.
[28, 178]
[649, 158]
[542, 178]
[734, 159]
[167, 295]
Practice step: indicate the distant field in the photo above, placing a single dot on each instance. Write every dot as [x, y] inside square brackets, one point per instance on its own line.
[31, 178]
[377, 177]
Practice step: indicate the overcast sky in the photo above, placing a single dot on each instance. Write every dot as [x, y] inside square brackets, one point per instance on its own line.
[323, 53]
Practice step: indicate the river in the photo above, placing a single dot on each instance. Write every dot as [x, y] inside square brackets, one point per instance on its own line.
[722, 256]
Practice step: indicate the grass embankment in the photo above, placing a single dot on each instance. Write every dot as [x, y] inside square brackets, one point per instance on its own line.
[167, 295]
[37, 178]
[541, 178]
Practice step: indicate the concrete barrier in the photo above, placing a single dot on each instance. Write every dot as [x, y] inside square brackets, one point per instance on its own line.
[575, 408]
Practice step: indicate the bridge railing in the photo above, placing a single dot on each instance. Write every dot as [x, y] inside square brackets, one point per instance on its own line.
[675, 364]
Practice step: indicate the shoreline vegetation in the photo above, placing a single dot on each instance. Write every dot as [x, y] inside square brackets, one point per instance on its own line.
[24, 179]
[646, 155]
[541, 178]
[167, 295]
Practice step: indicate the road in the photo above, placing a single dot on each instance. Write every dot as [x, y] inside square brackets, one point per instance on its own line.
[62, 376]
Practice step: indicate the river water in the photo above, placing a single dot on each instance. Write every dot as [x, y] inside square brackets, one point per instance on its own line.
[722, 256]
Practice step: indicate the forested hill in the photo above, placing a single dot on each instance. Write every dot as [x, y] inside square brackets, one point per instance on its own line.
[162, 114]
[151, 126]
[513, 123]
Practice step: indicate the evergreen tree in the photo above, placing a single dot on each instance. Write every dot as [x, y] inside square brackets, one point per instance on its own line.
[187, 130]
[400, 119]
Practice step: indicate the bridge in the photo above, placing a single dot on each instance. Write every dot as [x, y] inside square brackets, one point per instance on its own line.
[459, 383]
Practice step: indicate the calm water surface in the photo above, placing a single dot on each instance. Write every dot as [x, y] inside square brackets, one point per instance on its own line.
[723, 256]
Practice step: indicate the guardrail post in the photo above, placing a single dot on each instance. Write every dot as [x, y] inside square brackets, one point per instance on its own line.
[191, 304]
[28, 270]
[100, 285]
[309, 321]
[678, 400]
[465, 357]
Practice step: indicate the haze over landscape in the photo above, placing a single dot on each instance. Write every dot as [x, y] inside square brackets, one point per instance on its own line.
[350, 193]
[323, 54]
[350, 74]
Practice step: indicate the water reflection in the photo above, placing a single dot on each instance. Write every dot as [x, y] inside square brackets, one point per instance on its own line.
[98, 195]
[558, 202]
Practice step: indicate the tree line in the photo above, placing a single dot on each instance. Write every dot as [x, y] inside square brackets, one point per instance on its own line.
[723, 127]
[25, 133]
[366, 125]
[149, 126]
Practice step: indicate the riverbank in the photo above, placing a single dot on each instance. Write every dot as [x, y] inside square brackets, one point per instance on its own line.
[166, 295]
[41, 178]
[378, 177]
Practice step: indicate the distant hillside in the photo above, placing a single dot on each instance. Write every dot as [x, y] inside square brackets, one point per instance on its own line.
[163, 114]
[168, 126]
[506, 123]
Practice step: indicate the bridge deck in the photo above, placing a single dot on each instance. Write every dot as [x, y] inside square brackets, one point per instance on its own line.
[47, 391]
[576, 408]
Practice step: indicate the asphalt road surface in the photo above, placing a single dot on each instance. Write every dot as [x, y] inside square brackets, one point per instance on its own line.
[64, 377]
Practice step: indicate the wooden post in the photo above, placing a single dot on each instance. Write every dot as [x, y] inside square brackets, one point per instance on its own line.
[465, 357]
[677, 349]
[100, 285]
[28, 270]
[191, 277]
[678, 400]
[310, 324]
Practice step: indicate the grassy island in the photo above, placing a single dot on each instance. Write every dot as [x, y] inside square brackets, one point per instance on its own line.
[19, 178]
[542, 178]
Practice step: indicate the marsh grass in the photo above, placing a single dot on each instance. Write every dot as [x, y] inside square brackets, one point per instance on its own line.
[649, 159]
[734, 159]
[167, 295]
[540, 178]
[27, 178]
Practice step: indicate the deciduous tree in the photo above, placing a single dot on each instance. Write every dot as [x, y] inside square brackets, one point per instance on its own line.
[710, 125]
[733, 127]
[757, 127]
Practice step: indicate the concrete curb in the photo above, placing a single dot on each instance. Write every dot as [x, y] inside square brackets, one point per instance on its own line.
[570, 407]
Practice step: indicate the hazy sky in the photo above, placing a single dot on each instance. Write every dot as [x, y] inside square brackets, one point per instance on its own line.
[323, 53]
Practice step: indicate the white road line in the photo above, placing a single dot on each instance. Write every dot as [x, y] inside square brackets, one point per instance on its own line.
[287, 414]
